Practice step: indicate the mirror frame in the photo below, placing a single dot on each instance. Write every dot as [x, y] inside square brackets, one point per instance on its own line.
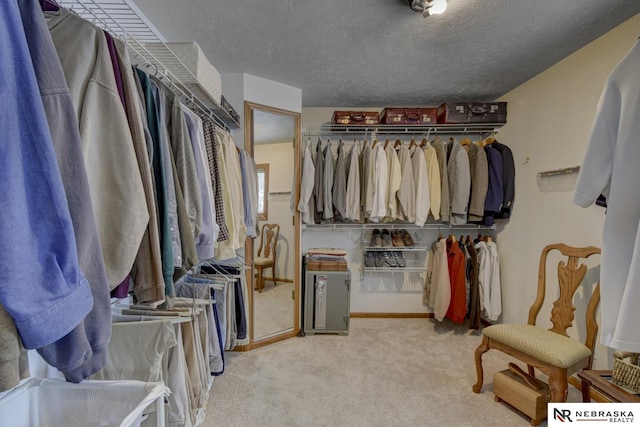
[249, 108]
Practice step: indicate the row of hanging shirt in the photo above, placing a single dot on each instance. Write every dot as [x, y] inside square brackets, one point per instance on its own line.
[463, 280]
[453, 182]
[110, 179]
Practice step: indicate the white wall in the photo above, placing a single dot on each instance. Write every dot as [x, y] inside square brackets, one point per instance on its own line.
[549, 121]
[280, 158]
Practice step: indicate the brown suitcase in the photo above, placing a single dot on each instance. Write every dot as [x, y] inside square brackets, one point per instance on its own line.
[355, 118]
[472, 112]
[409, 116]
[392, 116]
[421, 116]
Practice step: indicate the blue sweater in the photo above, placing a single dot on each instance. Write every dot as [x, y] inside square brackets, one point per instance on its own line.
[82, 352]
[41, 285]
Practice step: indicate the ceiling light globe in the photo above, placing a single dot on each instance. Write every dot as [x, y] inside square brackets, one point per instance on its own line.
[437, 7]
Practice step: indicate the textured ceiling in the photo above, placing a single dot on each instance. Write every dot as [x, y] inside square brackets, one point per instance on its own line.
[379, 52]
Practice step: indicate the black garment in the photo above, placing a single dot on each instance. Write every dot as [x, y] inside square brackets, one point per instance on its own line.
[474, 291]
[508, 179]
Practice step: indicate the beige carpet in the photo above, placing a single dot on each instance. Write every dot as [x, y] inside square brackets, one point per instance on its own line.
[386, 372]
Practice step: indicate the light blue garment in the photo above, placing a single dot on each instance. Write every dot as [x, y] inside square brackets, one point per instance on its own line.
[209, 230]
[41, 285]
[82, 352]
[249, 189]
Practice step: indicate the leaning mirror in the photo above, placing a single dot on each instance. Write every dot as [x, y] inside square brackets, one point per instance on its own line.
[271, 136]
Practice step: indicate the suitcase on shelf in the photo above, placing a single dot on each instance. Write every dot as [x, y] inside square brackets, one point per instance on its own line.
[355, 118]
[409, 116]
[472, 112]
[392, 116]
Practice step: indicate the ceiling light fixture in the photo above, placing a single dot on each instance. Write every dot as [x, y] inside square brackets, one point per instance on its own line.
[428, 7]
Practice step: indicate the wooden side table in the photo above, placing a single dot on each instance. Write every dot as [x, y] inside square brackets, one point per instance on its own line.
[601, 382]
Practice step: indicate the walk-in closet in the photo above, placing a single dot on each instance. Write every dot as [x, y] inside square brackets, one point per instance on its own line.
[407, 212]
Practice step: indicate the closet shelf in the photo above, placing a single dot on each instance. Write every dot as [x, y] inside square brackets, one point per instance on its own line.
[395, 248]
[123, 19]
[391, 226]
[408, 269]
[328, 129]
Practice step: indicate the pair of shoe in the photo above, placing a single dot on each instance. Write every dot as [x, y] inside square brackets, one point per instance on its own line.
[397, 238]
[394, 259]
[403, 237]
[380, 237]
[385, 259]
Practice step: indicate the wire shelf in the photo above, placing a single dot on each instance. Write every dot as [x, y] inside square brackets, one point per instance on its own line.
[329, 129]
[395, 248]
[123, 19]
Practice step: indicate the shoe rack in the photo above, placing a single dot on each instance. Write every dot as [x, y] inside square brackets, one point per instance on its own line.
[382, 253]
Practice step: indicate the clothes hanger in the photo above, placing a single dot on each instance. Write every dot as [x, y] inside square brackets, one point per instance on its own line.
[424, 142]
[398, 143]
[488, 141]
[412, 143]
[386, 142]
[465, 141]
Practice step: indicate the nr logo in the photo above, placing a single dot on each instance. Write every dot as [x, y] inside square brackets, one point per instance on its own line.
[562, 415]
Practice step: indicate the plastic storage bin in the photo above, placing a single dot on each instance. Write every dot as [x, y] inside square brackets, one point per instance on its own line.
[40, 402]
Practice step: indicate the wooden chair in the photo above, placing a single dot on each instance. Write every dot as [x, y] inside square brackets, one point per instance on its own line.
[267, 259]
[551, 351]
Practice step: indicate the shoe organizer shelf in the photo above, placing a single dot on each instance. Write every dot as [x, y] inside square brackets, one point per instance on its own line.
[392, 250]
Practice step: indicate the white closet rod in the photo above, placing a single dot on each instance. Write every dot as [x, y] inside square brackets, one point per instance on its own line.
[123, 11]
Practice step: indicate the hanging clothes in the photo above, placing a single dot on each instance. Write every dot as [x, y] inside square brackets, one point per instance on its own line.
[495, 190]
[406, 195]
[441, 154]
[421, 181]
[121, 212]
[508, 179]
[435, 181]
[249, 192]
[437, 290]
[456, 264]
[339, 190]
[208, 232]
[353, 198]
[318, 184]
[394, 179]
[610, 167]
[366, 180]
[327, 181]
[479, 169]
[459, 178]
[211, 145]
[38, 246]
[147, 272]
[81, 352]
[307, 185]
[160, 176]
[474, 285]
[379, 181]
